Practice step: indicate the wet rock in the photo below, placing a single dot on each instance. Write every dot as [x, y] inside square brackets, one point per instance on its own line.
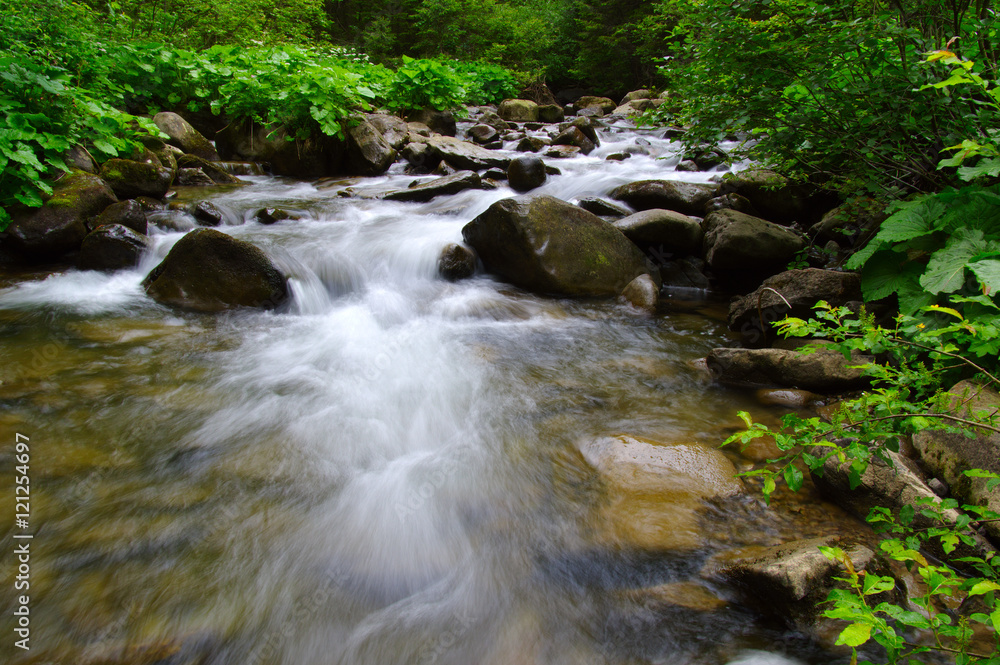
[686, 595]
[314, 157]
[546, 245]
[442, 122]
[618, 157]
[708, 158]
[421, 156]
[184, 136]
[465, 155]
[655, 490]
[789, 397]
[482, 134]
[664, 229]
[575, 136]
[206, 213]
[495, 174]
[591, 112]
[731, 201]
[77, 158]
[641, 93]
[846, 222]
[589, 101]
[457, 262]
[684, 273]
[496, 122]
[518, 110]
[128, 213]
[451, 184]
[209, 271]
[790, 293]
[526, 173]
[562, 151]
[269, 216]
[213, 170]
[166, 153]
[112, 247]
[737, 242]
[368, 153]
[392, 128]
[642, 292]
[444, 169]
[684, 197]
[129, 179]
[58, 227]
[775, 196]
[790, 580]
[192, 178]
[687, 166]
[511, 136]
[551, 113]
[585, 125]
[948, 455]
[603, 208]
[823, 371]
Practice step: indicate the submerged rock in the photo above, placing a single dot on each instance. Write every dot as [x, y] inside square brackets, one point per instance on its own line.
[209, 271]
[456, 262]
[549, 246]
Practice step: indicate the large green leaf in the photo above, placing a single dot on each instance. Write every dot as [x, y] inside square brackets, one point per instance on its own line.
[987, 271]
[985, 168]
[946, 270]
[886, 273]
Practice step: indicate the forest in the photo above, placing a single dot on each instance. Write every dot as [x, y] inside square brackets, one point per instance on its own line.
[886, 112]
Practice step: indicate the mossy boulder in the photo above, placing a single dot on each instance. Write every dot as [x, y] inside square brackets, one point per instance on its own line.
[606, 104]
[130, 179]
[663, 230]
[777, 198]
[687, 198]
[735, 242]
[442, 122]
[822, 371]
[316, 156]
[518, 110]
[551, 113]
[59, 225]
[184, 136]
[129, 214]
[112, 247]
[209, 271]
[549, 246]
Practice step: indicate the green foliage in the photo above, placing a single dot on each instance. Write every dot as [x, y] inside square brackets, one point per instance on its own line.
[909, 366]
[944, 243]
[425, 84]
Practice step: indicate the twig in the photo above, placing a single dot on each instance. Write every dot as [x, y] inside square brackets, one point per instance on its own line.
[760, 312]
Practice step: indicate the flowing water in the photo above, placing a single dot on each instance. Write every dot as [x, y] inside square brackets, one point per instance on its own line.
[385, 472]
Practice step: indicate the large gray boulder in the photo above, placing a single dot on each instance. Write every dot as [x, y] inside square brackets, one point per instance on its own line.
[518, 110]
[368, 152]
[463, 154]
[59, 225]
[822, 371]
[776, 197]
[130, 179]
[209, 271]
[549, 246]
[526, 173]
[684, 197]
[312, 157]
[393, 129]
[790, 293]
[948, 455]
[575, 136]
[606, 104]
[112, 247]
[735, 241]
[668, 231]
[442, 122]
[184, 136]
[426, 191]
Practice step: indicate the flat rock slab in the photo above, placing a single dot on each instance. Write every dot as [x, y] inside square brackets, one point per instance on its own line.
[823, 370]
[426, 191]
[684, 197]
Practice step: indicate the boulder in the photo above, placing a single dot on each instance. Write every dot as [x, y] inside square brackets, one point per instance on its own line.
[215, 171]
[602, 208]
[539, 93]
[618, 157]
[666, 230]
[562, 152]
[268, 216]
[589, 101]
[313, 157]
[546, 245]
[775, 196]
[368, 153]
[585, 125]
[655, 491]
[112, 247]
[822, 370]
[736, 242]
[731, 201]
[442, 122]
[184, 136]
[532, 144]
[551, 113]
[192, 178]
[456, 262]
[707, 158]
[78, 159]
[496, 122]
[166, 153]
[518, 110]
[642, 93]
[790, 293]
[426, 191]
[687, 166]
[464, 155]
[59, 225]
[526, 173]
[684, 273]
[130, 179]
[482, 134]
[421, 157]
[634, 107]
[209, 271]
[206, 213]
[393, 129]
[575, 136]
[642, 292]
[129, 214]
[684, 197]
[947, 455]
